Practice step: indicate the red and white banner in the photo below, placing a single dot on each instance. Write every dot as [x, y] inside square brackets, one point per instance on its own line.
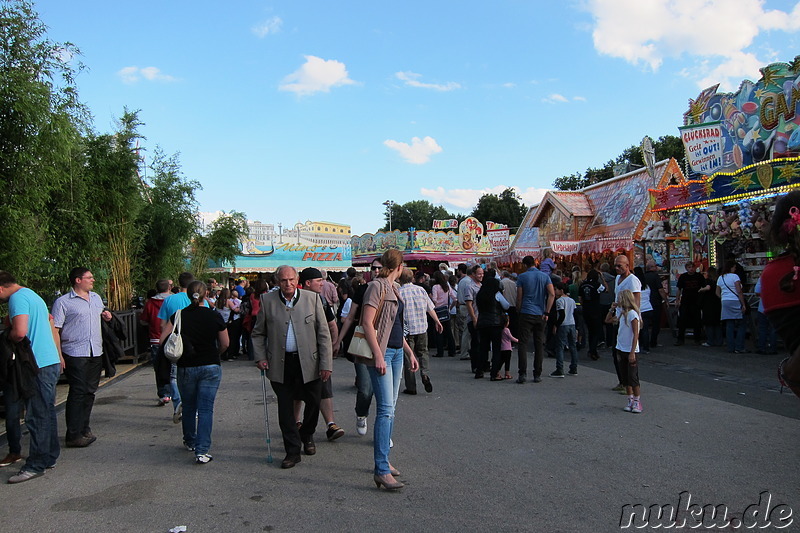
[499, 239]
[565, 247]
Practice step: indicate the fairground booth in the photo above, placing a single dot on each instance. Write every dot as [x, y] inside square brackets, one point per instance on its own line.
[323, 245]
[743, 150]
[594, 224]
[448, 241]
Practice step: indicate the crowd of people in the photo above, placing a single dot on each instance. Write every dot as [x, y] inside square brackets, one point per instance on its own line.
[294, 323]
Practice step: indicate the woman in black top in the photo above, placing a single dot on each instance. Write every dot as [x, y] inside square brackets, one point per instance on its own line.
[205, 337]
[491, 309]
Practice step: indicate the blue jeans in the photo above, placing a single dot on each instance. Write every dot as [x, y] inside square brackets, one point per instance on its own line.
[364, 393]
[566, 335]
[41, 421]
[735, 330]
[13, 410]
[386, 388]
[198, 385]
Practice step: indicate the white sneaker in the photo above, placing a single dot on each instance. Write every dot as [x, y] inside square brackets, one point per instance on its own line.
[636, 407]
[203, 458]
[391, 443]
[361, 425]
[628, 407]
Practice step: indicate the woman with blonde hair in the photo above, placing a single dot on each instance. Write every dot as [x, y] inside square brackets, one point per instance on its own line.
[626, 313]
[382, 320]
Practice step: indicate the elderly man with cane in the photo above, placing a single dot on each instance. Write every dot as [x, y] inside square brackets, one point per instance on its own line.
[297, 357]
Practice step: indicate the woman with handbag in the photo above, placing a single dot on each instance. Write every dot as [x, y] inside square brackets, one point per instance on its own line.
[729, 289]
[382, 323]
[205, 337]
[444, 300]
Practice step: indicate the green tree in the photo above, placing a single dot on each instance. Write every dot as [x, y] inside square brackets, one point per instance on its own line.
[112, 170]
[505, 208]
[667, 146]
[418, 214]
[40, 124]
[168, 219]
[573, 182]
[220, 244]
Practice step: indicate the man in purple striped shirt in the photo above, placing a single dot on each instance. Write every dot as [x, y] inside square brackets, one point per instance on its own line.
[77, 316]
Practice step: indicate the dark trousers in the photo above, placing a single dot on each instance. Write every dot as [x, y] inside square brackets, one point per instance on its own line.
[644, 332]
[445, 337]
[490, 336]
[234, 336]
[689, 317]
[291, 389]
[655, 327]
[531, 327]
[474, 344]
[594, 328]
[13, 406]
[610, 329]
[83, 376]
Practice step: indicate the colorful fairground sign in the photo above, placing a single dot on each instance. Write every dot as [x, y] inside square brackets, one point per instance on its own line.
[740, 144]
[471, 241]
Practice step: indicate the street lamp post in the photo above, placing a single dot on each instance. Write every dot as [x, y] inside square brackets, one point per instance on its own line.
[280, 233]
[389, 204]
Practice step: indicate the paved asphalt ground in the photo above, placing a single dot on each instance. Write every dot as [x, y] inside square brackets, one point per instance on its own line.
[559, 456]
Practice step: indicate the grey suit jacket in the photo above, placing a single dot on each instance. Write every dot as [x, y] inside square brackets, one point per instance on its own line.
[310, 328]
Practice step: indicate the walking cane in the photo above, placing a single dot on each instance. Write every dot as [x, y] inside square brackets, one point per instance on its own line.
[266, 415]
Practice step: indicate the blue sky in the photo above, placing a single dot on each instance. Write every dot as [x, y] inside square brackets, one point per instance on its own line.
[319, 110]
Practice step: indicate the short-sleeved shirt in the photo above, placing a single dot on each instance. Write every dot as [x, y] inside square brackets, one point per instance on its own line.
[416, 304]
[172, 304]
[625, 332]
[547, 266]
[630, 283]
[199, 329]
[566, 304]
[653, 280]
[80, 324]
[727, 287]
[26, 302]
[463, 288]
[534, 284]
[690, 284]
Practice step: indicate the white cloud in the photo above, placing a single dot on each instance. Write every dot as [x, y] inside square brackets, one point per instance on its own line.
[412, 80]
[316, 75]
[135, 74]
[555, 98]
[467, 199]
[418, 152]
[509, 85]
[715, 32]
[270, 26]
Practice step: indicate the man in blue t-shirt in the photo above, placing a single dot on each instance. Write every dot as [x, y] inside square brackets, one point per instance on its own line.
[29, 318]
[535, 296]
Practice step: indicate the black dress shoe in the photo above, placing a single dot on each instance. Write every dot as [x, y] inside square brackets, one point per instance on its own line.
[290, 461]
[80, 442]
[426, 382]
[411, 392]
[309, 447]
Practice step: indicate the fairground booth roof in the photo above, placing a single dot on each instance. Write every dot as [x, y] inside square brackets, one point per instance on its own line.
[609, 215]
